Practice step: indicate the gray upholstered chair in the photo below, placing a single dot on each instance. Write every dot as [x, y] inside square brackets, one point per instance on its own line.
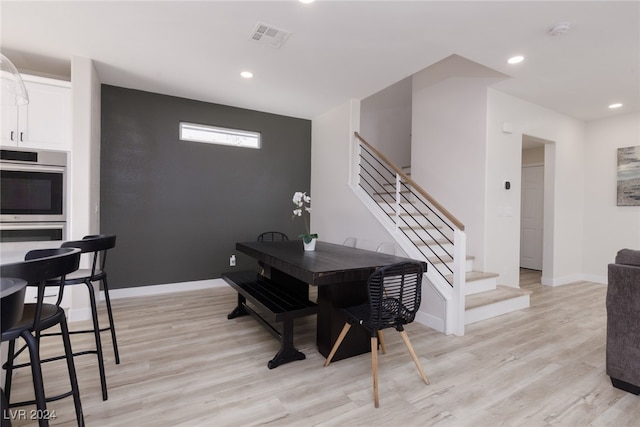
[623, 321]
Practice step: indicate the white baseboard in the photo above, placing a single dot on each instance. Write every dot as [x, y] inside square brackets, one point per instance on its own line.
[78, 314]
[559, 281]
[140, 291]
[603, 280]
[84, 313]
[430, 321]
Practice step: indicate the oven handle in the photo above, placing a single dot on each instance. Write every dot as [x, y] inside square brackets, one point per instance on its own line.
[57, 225]
[21, 167]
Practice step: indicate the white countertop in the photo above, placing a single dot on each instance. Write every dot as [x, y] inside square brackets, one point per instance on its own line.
[15, 251]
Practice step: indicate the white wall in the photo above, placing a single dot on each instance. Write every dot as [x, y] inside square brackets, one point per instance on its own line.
[607, 227]
[84, 165]
[337, 213]
[448, 149]
[580, 167]
[85, 152]
[564, 189]
[385, 121]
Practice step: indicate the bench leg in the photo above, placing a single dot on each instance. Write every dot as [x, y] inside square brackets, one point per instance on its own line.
[287, 352]
[239, 310]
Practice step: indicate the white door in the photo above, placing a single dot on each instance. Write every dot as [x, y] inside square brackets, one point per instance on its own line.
[532, 209]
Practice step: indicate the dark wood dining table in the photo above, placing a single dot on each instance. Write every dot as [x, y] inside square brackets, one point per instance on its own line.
[340, 273]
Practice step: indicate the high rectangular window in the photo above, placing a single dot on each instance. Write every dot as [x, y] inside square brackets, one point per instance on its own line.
[218, 135]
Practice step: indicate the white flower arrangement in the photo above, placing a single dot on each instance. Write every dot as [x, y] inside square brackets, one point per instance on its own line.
[302, 201]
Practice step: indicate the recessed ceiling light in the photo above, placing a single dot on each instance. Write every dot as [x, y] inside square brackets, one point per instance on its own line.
[515, 59]
[616, 105]
[306, 1]
[246, 74]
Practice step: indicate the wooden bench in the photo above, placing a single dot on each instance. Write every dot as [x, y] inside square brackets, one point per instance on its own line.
[269, 304]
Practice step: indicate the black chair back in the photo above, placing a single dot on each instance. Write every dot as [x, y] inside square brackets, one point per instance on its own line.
[394, 295]
[97, 245]
[41, 265]
[272, 236]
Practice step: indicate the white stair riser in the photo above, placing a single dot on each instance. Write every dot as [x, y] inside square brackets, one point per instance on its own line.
[496, 309]
[482, 285]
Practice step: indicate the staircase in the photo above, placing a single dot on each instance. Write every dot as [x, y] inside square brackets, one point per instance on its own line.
[425, 230]
[484, 298]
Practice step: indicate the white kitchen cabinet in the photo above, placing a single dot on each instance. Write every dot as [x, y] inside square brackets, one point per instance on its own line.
[10, 133]
[45, 122]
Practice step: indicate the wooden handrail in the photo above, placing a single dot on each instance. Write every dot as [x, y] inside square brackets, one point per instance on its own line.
[455, 221]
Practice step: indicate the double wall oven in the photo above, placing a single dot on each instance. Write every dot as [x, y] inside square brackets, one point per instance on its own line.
[32, 195]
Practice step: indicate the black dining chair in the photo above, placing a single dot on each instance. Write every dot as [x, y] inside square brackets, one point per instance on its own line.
[39, 266]
[272, 236]
[96, 246]
[394, 299]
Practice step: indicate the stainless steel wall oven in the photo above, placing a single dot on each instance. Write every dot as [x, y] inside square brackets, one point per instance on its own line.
[32, 195]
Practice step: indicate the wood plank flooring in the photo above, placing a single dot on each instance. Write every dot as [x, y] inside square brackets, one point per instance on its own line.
[185, 364]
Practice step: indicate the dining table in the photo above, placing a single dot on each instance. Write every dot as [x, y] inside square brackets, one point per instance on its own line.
[340, 274]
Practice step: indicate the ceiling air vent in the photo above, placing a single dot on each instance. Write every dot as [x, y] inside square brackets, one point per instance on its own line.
[269, 35]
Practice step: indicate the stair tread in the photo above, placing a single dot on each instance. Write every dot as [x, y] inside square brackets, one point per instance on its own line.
[501, 293]
[472, 276]
[446, 258]
[424, 227]
[405, 204]
[381, 193]
[441, 241]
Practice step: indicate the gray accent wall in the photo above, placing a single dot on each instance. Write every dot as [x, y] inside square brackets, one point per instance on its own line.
[177, 207]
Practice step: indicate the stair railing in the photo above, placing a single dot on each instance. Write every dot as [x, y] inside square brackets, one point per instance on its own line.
[436, 233]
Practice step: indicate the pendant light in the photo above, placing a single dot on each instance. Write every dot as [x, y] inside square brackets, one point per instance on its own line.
[13, 90]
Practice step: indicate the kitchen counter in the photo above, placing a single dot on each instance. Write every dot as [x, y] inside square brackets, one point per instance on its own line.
[75, 301]
[15, 251]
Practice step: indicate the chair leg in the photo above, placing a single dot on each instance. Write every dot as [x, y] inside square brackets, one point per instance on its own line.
[112, 326]
[343, 333]
[383, 349]
[36, 373]
[96, 333]
[374, 368]
[6, 415]
[414, 356]
[72, 371]
[9, 368]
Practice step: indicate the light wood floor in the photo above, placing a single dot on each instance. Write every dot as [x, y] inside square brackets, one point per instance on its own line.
[185, 364]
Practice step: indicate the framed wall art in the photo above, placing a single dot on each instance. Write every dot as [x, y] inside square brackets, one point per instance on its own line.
[629, 176]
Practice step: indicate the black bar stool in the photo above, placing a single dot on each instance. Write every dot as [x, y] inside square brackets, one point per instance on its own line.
[97, 246]
[12, 294]
[41, 265]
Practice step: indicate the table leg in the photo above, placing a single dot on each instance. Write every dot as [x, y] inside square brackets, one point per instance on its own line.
[331, 319]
